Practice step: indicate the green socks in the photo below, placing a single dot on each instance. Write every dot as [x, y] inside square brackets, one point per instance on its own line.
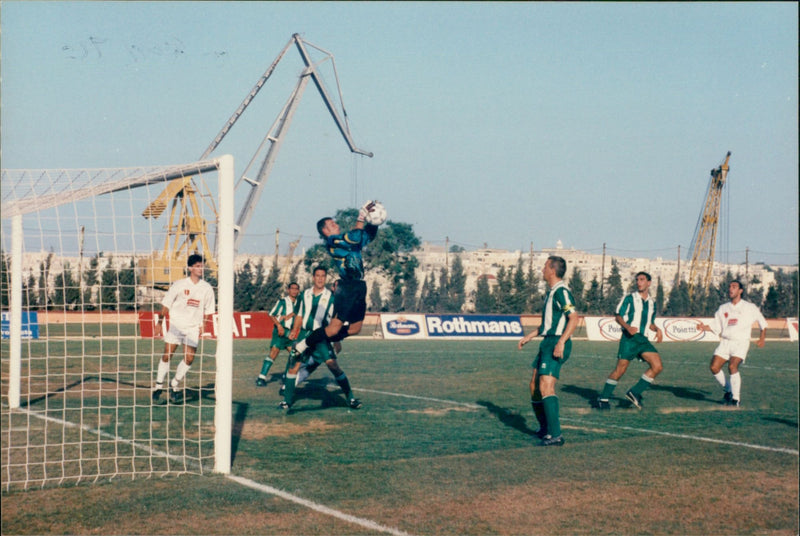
[538, 411]
[550, 404]
[288, 394]
[642, 385]
[608, 389]
[266, 365]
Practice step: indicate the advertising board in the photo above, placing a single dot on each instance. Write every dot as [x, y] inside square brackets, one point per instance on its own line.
[403, 326]
[30, 324]
[482, 327]
[605, 328]
[254, 325]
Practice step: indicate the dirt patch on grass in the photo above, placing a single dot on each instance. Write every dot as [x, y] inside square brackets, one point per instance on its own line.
[584, 429]
[610, 508]
[696, 409]
[262, 430]
[439, 412]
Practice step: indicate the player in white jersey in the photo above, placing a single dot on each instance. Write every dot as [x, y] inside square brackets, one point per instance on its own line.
[187, 304]
[733, 322]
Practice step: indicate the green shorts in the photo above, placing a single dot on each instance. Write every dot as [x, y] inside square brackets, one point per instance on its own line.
[322, 353]
[282, 343]
[631, 347]
[545, 363]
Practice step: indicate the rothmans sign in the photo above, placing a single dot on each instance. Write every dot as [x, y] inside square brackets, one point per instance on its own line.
[485, 327]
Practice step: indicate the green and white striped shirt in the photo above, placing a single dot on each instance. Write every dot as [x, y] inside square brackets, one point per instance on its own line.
[284, 307]
[558, 305]
[636, 312]
[316, 310]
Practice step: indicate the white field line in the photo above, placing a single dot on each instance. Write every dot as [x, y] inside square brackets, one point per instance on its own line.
[595, 425]
[687, 436]
[366, 523]
[106, 435]
[439, 400]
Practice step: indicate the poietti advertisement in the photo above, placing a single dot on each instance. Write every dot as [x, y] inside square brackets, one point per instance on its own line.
[474, 326]
[605, 328]
[403, 326]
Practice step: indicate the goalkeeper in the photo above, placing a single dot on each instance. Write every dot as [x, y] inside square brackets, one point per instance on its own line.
[315, 311]
[350, 296]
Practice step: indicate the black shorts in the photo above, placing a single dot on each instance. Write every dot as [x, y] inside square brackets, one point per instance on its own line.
[350, 300]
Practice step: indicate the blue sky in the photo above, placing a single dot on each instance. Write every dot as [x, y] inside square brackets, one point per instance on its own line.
[503, 124]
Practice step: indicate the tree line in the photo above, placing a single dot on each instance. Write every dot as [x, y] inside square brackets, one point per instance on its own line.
[107, 289]
[515, 290]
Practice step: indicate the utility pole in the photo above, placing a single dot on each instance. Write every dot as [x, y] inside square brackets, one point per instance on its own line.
[678, 274]
[603, 271]
[530, 259]
[747, 264]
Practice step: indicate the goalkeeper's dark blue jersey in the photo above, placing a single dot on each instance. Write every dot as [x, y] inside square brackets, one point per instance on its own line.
[346, 251]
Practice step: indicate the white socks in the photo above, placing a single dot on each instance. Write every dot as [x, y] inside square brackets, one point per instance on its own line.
[732, 384]
[163, 370]
[736, 385]
[302, 374]
[183, 368]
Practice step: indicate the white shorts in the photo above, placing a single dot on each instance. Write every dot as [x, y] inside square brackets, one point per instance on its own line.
[729, 348]
[187, 337]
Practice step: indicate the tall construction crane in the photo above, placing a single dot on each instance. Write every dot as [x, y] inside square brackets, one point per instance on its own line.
[188, 229]
[187, 233]
[705, 233]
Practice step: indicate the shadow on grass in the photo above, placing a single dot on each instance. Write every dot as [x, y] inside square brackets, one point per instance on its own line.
[787, 422]
[684, 392]
[190, 394]
[239, 418]
[318, 390]
[510, 418]
[587, 394]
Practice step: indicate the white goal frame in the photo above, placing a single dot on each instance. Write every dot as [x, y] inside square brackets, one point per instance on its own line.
[14, 208]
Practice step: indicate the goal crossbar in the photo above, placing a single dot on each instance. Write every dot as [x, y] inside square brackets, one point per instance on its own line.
[30, 200]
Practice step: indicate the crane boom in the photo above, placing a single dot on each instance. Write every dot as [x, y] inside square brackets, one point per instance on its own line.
[246, 102]
[186, 229]
[278, 130]
[705, 237]
[312, 71]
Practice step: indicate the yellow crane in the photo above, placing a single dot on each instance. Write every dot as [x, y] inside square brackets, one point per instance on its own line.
[187, 230]
[705, 234]
[187, 233]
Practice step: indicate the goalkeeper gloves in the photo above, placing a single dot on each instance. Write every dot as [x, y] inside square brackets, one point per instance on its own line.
[365, 209]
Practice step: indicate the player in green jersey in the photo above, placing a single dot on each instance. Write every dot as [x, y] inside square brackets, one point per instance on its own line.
[559, 320]
[282, 315]
[636, 313]
[315, 311]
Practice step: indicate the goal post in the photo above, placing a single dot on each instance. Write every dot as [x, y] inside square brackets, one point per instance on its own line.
[223, 415]
[77, 371]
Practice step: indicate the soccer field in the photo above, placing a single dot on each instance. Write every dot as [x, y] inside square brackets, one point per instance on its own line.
[444, 445]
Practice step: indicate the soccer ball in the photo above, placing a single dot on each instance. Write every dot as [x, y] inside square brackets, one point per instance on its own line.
[377, 215]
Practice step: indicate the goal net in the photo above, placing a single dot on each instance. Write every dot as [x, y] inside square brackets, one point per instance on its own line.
[86, 258]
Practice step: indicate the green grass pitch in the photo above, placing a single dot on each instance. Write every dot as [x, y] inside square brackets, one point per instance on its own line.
[444, 445]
